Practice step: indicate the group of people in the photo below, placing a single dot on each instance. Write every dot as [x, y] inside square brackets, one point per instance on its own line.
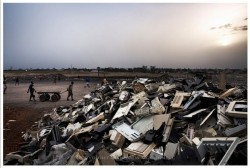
[32, 90]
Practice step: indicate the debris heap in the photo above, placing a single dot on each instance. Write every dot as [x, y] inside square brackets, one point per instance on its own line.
[143, 122]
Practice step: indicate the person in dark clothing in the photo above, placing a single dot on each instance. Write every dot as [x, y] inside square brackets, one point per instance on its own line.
[4, 84]
[70, 91]
[31, 89]
[17, 81]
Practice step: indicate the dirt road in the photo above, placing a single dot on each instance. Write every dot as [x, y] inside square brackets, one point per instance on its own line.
[20, 114]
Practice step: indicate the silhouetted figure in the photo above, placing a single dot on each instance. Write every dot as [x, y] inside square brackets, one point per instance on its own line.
[4, 84]
[70, 91]
[17, 81]
[31, 89]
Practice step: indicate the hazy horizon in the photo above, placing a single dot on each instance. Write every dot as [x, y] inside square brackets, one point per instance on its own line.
[85, 35]
[95, 68]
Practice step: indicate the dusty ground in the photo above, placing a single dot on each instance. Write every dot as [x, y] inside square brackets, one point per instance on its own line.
[20, 114]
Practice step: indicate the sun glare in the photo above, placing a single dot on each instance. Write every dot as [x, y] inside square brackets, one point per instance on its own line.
[225, 41]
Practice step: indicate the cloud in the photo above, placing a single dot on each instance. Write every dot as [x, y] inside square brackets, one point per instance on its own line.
[226, 26]
[240, 28]
[230, 27]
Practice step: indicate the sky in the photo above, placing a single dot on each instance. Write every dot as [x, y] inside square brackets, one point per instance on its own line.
[124, 35]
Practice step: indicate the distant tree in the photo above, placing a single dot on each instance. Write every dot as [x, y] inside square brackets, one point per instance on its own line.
[152, 68]
[144, 67]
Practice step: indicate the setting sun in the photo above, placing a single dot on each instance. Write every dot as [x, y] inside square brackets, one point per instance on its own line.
[225, 41]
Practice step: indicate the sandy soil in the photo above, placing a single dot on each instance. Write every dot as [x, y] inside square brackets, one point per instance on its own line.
[20, 114]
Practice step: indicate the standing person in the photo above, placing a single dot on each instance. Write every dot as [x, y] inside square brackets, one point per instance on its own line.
[17, 81]
[31, 89]
[70, 91]
[4, 84]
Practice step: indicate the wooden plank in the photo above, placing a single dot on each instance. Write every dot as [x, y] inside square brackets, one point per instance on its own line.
[138, 150]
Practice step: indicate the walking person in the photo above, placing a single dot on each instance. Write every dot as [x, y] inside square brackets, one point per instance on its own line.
[31, 89]
[4, 84]
[70, 91]
[17, 81]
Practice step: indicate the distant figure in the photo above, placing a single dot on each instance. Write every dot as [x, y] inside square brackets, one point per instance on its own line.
[31, 89]
[17, 81]
[70, 91]
[4, 84]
